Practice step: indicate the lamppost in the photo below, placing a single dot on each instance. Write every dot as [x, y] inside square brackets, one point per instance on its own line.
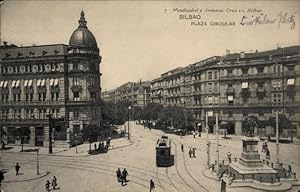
[37, 161]
[76, 142]
[129, 108]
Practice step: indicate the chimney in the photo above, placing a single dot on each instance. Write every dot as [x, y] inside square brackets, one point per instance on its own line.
[227, 52]
[242, 54]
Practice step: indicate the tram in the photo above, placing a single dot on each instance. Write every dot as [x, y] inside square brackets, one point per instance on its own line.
[163, 152]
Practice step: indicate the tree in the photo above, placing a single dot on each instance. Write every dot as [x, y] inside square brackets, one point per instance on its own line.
[284, 123]
[91, 133]
[151, 111]
[249, 124]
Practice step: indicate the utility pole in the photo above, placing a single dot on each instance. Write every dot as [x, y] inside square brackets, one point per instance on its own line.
[217, 138]
[277, 139]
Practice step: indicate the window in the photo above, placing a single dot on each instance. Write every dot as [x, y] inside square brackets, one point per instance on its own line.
[52, 96]
[261, 114]
[210, 100]
[76, 96]
[92, 81]
[75, 66]
[216, 74]
[277, 98]
[260, 69]
[76, 112]
[245, 114]
[230, 99]
[209, 87]
[56, 96]
[230, 114]
[245, 71]
[44, 96]
[277, 68]
[229, 84]
[93, 96]
[209, 75]
[229, 71]
[75, 80]
[40, 96]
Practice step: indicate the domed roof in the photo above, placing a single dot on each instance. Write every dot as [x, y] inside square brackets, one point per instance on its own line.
[82, 36]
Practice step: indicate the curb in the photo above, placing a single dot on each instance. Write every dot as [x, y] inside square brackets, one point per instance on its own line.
[35, 178]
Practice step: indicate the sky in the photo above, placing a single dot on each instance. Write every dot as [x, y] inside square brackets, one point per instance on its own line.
[140, 40]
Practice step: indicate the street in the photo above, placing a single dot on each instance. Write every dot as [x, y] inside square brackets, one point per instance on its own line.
[98, 172]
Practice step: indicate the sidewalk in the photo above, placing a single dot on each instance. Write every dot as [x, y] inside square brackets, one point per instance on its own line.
[82, 150]
[24, 175]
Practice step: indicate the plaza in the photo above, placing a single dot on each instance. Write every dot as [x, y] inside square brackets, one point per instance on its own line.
[84, 172]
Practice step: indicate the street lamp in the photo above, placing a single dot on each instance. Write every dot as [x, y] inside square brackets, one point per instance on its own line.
[37, 161]
[76, 142]
[129, 108]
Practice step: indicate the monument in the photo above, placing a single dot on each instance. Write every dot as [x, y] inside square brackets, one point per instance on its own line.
[250, 170]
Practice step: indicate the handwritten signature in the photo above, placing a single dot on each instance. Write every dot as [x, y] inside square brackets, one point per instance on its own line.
[264, 19]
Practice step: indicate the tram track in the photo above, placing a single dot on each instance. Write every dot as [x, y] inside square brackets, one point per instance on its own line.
[82, 166]
[178, 173]
[137, 179]
[188, 172]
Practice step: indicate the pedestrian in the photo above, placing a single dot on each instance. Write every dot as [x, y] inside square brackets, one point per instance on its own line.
[199, 134]
[190, 152]
[47, 185]
[223, 186]
[152, 185]
[122, 179]
[17, 167]
[118, 172]
[290, 169]
[95, 146]
[194, 134]
[229, 156]
[54, 182]
[125, 174]
[268, 154]
[194, 152]
[182, 147]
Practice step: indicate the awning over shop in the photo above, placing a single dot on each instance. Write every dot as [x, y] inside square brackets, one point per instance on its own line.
[291, 82]
[244, 85]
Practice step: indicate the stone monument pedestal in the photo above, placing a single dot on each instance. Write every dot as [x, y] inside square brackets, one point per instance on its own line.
[250, 166]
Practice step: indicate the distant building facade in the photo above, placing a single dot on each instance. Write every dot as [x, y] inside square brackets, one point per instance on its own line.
[60, 80]
[236, 86]
[138, 93]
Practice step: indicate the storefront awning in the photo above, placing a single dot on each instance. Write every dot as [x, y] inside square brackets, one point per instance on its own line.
[13, 83]
[55, 82]
[244, 85]
[1, 84]
[17, 83]
[291, 82]
[29, 83]
[230, 98]
[43, 83]
[51, 82]
[38, 82]
[25, 83]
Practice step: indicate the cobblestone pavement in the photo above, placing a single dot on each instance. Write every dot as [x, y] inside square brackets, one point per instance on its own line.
[88, 173]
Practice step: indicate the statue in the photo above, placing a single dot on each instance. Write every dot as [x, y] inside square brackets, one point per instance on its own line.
[250, 123]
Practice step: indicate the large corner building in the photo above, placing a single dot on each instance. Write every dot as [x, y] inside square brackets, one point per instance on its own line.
[61, 80]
